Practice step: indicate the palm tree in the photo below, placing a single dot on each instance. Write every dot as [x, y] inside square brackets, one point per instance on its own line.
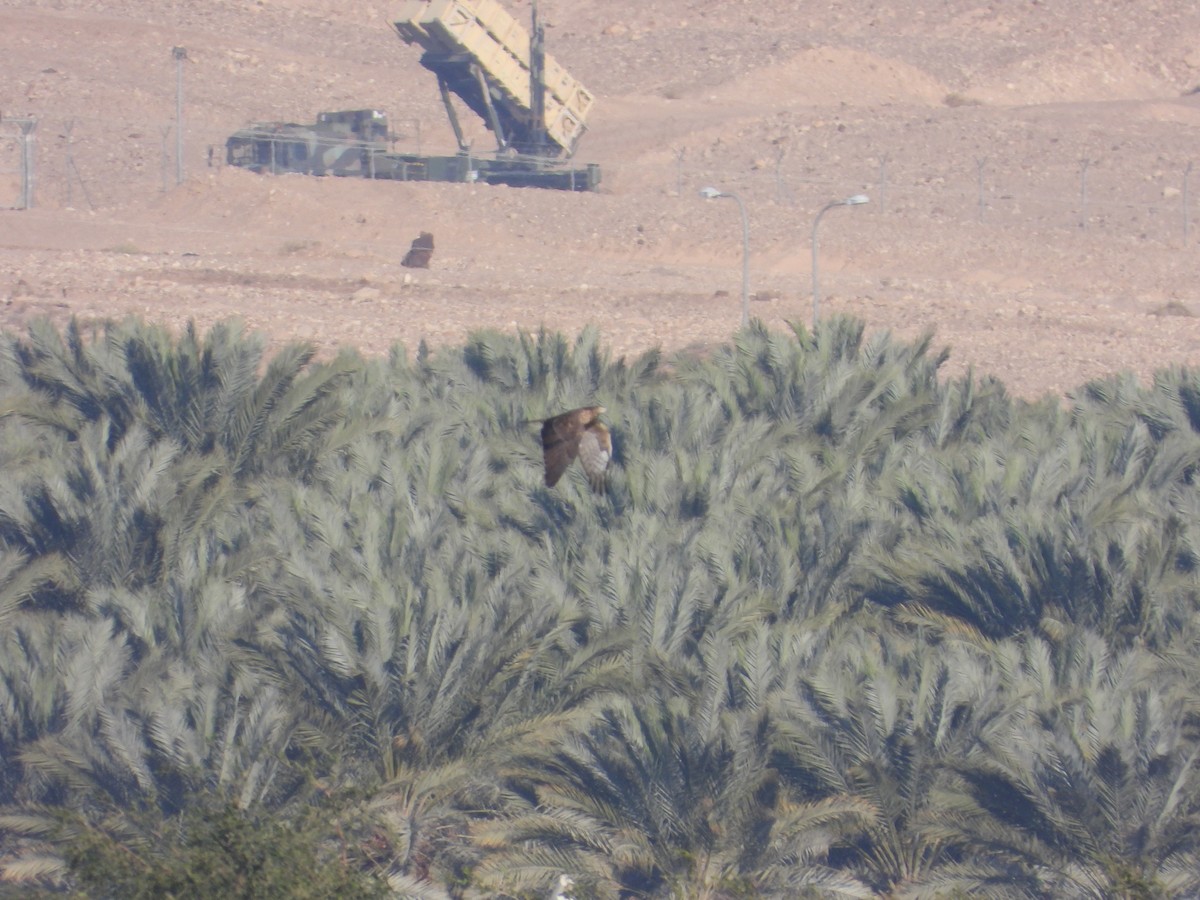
[1071, 517]
[1091, 791]
[879, 714]
[205, 395]
[132, 567]
[674, 793]
[648, 804]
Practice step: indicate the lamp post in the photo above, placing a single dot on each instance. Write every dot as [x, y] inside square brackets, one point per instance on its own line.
[711, 193]
[855, 200]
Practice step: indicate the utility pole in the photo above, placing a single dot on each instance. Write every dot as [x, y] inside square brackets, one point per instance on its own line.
[1083, 193]
[28, 126]
[179, 54]
[980, 162]
[68, 127]
[883, 180]
[1187, 212]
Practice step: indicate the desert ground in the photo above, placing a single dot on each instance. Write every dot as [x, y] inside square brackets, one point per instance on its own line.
[1029, 168]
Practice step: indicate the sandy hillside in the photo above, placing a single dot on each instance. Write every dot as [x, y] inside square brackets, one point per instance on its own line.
[1031, 204]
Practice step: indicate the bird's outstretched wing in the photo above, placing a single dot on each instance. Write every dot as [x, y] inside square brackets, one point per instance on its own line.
[595, 450]
[578, 432]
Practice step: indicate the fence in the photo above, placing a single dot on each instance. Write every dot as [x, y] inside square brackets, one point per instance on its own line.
[95, 163]
[17, 156]
[1080, 194]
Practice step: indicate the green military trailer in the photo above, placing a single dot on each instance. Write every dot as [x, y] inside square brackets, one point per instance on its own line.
[338, 143]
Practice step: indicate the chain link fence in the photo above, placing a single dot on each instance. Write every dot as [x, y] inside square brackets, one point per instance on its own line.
[1067, 193]
[95, 163]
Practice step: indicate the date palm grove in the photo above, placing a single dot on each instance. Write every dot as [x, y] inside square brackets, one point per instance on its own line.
[841, 626]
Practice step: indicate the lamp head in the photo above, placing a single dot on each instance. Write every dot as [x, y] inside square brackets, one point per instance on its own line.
[856, 200]
[710, 193]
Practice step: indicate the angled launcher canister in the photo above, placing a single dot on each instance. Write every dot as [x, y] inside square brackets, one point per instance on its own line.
[481, 54]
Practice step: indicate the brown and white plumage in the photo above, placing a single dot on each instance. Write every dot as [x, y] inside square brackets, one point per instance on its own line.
[563, 890]
[578, 432]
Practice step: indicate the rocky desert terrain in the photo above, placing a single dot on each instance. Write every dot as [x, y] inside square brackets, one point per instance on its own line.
[1029, 168]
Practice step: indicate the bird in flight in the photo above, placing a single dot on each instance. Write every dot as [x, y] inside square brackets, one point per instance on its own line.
[563, 891]
[578, 432]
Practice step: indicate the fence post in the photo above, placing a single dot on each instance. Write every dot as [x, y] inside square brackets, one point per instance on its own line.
[979, 164]
[883, 161]
[1187, 206]
[781, 192]
[73, 173]
[1083, 213]
[27, 126]
[179, 54]
[68, 127]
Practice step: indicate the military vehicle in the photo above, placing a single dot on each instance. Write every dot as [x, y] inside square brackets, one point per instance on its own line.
[339, 143]
[479, 53]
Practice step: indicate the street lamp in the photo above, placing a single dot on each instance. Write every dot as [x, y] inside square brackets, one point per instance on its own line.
[856, 200]
[711, 193]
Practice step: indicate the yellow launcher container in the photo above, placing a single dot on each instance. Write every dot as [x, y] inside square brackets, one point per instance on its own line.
[485, 31]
